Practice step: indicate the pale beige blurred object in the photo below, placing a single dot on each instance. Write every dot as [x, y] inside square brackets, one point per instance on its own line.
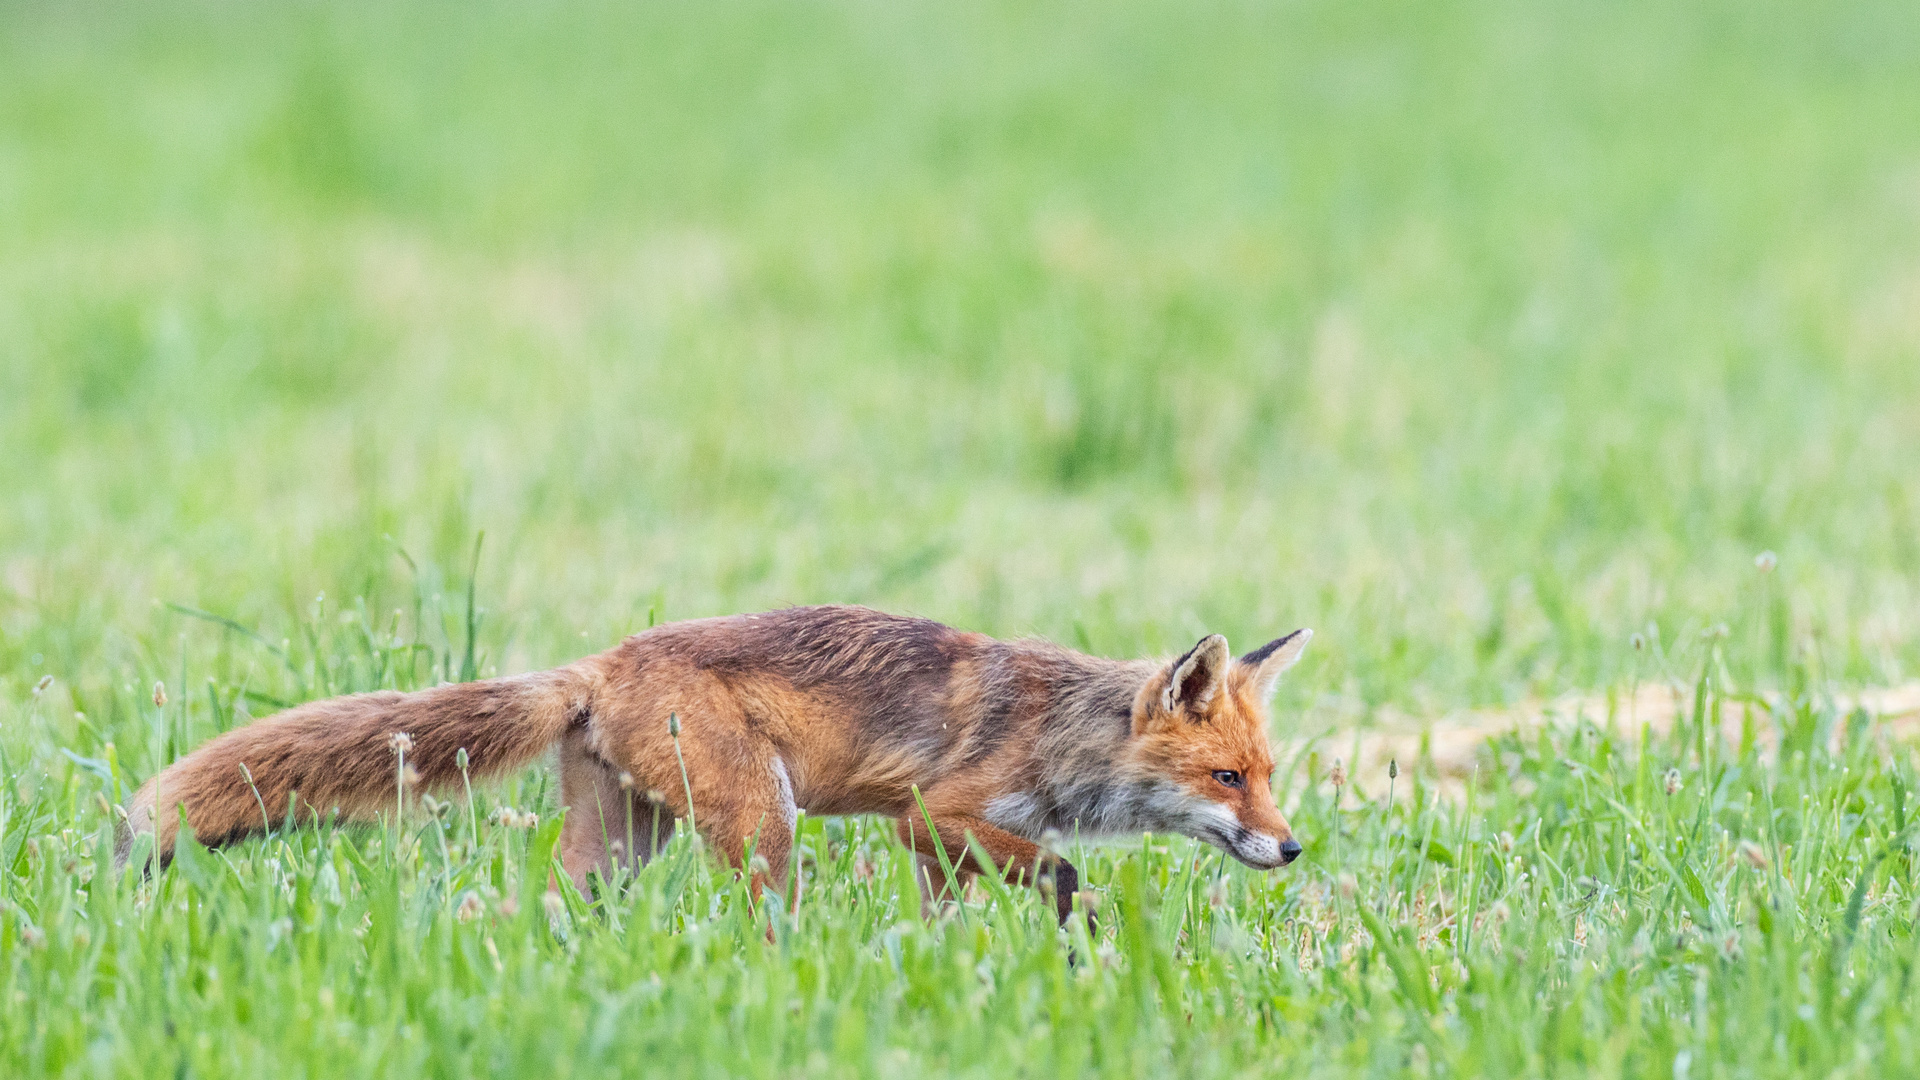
[1454, 741]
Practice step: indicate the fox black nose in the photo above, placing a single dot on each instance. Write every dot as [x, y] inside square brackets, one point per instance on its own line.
[1290, 851]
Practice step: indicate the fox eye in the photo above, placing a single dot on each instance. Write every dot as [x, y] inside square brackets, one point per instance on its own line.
[1229, 777]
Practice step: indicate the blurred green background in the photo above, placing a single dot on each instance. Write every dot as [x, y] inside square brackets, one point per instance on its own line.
[1484, 337]
[1478, 336]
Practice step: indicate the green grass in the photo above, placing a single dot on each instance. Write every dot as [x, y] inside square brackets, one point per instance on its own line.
[1478, 337]
[1603, 903]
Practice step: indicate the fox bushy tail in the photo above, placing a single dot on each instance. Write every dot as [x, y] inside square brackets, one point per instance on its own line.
[341, 756]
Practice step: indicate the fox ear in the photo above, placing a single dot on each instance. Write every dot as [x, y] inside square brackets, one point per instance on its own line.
[1193, 679]
[1268, 661]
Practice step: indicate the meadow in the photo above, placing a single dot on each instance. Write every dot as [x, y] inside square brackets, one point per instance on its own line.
[352, 345]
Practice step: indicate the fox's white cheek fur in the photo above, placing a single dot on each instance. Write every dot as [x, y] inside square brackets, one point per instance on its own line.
[1245, 843]
[1221, 818]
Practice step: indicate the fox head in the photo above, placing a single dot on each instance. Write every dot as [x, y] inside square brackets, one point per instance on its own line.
[1200, 742]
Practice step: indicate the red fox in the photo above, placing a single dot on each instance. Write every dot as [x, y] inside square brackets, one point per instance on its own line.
[838, 710]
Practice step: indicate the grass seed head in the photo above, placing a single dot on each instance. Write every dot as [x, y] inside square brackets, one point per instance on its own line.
[471, 907]
[400, 742]
[1752, 854]
[41, 686]
[1338, 774]
[1766, 561]
[508, 818]
[626, 781]
[159, 694]
[1673, 782]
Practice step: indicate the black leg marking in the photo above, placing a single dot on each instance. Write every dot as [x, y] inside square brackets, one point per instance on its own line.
[1063, 881]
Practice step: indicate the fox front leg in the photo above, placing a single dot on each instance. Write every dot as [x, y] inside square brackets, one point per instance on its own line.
[1019, 860]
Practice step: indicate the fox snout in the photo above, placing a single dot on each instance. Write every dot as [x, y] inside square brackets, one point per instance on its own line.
[1263, 852]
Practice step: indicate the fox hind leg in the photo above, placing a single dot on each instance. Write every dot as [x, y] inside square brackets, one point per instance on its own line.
[608, 824]
[758, 814]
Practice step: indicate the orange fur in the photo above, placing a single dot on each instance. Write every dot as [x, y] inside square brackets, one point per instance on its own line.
[835, 709]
